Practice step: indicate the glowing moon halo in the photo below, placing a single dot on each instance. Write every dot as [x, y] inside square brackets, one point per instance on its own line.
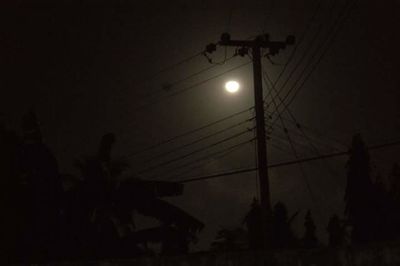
[232, 86]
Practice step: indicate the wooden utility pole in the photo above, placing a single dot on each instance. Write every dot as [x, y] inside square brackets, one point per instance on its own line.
[256, 47]
[262, 163]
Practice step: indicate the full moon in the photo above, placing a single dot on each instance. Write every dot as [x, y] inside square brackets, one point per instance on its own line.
[232, 86]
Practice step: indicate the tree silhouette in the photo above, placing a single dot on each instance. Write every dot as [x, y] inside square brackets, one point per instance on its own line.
[254, 224]
[309, 238]
[230, 240]
[392, 198]
[395, 182]
[12, 203]
[282, 234]
[30, 198]
[100, 209]
[336, 231]
[360, 196]
[387, 212]
[42, 189]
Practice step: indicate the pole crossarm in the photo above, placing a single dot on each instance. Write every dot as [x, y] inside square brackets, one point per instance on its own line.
[261, 41]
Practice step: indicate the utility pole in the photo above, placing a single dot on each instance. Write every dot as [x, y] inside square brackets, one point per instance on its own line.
[256, 45]
[260, 129]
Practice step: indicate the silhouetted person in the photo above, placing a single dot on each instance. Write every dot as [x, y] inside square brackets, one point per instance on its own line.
[254, 224]
[336, 231]
[309, 239]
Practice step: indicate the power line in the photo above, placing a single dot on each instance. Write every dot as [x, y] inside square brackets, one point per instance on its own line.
[286, 81]
[182, 90]
[235, 172]
[332, 39]
[157, 100]
[165, 69]
[315, 37]
[277, 146]
[307, 50]
[313, 130]
[198, 140]
[295, 122]
[194, 152]
[336, 154]
[291, 142]
[283, 100]
[208, 156]
[302, 170]
[268, 16]
[230, 14]
[185, 60]
[198, 72]
[332, 33]
[168, 68]
[286, 108]
[207, 160]
[187, 133]
[283, 140]
[301, 39]
[173, 94]
[170, 86]
[300, 132]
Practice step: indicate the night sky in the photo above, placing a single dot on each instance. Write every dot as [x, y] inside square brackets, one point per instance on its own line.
[88, 68]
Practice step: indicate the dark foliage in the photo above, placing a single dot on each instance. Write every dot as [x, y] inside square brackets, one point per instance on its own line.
[336, 231]
[393, 201]
[309, 239]
[31, 192]
[93, 218]
[230, 240]
[279, 227]
[282, 234]
[109, 204]
[360, 197]
[370, 208]
[254, 225]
